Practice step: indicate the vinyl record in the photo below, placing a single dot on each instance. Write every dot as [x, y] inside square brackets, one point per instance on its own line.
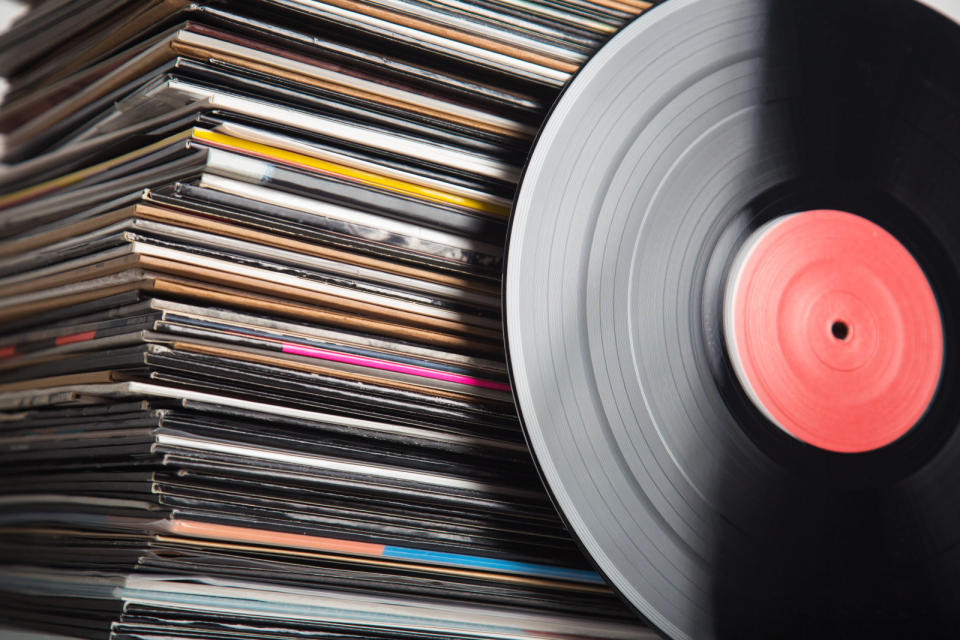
[732, 316]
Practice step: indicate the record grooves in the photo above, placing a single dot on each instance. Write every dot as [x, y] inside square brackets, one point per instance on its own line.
[643, 188]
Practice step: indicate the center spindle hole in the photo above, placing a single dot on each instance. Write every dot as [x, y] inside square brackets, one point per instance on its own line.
[840, 330]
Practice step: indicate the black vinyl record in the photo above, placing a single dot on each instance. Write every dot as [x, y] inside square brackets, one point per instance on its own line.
[696, 125]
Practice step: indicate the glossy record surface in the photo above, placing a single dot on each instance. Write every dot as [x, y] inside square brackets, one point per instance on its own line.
[695, 125]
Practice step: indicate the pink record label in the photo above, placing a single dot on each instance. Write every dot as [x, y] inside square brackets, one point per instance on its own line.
[833, 330]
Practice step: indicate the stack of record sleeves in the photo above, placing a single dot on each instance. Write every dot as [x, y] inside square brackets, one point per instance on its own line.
[251, 368]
